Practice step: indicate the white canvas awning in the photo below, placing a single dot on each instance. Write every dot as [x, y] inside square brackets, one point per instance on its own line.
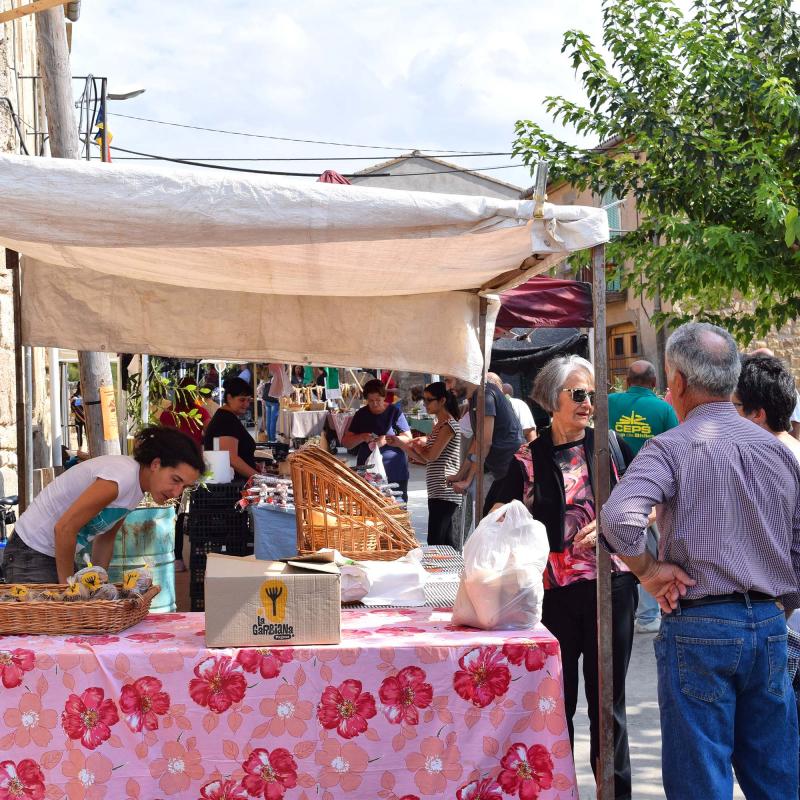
[204, 263]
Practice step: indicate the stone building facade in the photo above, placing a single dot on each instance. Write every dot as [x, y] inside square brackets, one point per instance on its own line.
[17, 93]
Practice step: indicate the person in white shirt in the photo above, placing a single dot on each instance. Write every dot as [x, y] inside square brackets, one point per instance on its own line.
[84, 507]
[523, 412]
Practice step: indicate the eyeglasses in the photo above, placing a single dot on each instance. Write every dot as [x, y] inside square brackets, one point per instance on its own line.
[580, 395]
[427, 400]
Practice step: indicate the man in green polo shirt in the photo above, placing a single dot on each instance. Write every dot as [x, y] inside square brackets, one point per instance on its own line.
[638, 415]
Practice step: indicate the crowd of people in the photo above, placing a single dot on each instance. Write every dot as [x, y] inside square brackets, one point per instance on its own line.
[703, 527]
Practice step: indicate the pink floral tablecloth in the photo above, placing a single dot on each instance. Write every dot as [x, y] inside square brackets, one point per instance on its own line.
[407, 707]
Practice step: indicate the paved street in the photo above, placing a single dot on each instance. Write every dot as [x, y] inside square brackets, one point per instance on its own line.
[643, 728]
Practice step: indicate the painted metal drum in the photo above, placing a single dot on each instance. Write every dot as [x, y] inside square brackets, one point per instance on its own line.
[148, 535]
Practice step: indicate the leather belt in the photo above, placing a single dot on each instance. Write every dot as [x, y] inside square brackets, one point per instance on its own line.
[733, 597]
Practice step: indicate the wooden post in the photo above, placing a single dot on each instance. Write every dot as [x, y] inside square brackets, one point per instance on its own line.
[51, 39]
[480, 414]
[605, 666]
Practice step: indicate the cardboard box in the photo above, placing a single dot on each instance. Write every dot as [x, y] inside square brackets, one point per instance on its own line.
[252, 603]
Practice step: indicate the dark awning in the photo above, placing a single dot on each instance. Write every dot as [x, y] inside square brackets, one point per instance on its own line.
[544, 302]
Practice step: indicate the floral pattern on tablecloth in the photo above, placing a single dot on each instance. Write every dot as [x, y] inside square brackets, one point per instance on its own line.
[408, 707]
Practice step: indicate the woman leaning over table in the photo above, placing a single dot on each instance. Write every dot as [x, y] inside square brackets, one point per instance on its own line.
[554, 477]
[441, 453]
[88, 503]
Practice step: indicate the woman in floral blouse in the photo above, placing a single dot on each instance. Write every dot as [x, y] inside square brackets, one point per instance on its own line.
[554, 477]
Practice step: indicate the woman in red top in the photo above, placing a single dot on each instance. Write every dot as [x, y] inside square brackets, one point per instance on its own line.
[187, 414]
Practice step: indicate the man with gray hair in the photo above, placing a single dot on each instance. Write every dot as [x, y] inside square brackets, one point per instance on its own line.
[728, 498]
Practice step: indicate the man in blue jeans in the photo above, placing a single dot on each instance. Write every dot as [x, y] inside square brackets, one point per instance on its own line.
[728, 494]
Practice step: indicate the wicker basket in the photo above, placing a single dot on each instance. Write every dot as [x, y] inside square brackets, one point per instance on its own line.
[82, 617]
[337, 508]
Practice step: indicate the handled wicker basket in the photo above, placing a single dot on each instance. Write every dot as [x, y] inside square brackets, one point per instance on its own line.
[53, 618]
[339, 509]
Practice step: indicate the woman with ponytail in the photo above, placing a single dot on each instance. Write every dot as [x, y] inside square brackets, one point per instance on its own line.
[441, 453]
[84, 507]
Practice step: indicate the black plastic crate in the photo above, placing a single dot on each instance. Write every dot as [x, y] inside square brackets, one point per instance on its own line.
[215, 497]
[198, 602]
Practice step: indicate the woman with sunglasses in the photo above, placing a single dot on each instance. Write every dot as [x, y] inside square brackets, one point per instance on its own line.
[441, 453]
[554, 476]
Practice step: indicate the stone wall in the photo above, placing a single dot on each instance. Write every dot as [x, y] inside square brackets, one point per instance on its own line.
[18, 58]
[786, 345]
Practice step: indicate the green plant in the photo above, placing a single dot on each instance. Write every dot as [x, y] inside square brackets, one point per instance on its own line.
[699, 114]
[164, 383]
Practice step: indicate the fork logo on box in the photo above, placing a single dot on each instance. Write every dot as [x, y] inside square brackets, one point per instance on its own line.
[273, 600]
[274, 594]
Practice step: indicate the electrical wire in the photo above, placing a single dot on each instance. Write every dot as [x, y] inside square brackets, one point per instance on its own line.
[318, 158]
[300, 174]
[287, 138]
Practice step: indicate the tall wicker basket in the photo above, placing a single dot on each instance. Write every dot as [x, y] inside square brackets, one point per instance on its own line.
[337, 508]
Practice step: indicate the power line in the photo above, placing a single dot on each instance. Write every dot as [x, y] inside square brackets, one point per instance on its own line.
[287, 138]
[316, 158]
[301, 174]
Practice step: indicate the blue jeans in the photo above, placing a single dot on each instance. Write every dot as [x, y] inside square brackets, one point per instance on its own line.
[647, 610]
[726, 699]
[271, 415]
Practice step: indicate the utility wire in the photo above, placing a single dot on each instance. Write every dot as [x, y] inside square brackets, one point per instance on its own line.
[300, 174]
[318, 158]
[287, 138]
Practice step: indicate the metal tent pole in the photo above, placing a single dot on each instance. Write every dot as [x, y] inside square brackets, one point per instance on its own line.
[605, 760]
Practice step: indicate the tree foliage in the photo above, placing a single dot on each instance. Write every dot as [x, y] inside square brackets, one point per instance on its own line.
[699, 116]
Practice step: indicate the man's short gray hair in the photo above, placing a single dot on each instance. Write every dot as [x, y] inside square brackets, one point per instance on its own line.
[707, 356]
[552, 377]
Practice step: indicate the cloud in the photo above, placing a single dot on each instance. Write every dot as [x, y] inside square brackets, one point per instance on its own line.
[453, 75]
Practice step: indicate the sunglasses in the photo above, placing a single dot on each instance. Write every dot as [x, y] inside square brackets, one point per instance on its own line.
[580, 395]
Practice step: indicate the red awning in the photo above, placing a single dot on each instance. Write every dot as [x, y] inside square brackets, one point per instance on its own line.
[331, 176]
[544, 302]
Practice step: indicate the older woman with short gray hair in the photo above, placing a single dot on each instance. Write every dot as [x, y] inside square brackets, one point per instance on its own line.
[554, 476]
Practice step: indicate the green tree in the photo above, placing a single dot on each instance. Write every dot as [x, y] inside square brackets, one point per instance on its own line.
[699, 115]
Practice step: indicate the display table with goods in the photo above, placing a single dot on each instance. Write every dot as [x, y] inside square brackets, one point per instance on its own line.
[339, 422]
[406, 706]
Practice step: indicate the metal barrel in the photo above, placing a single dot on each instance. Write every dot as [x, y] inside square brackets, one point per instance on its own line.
[148, 536]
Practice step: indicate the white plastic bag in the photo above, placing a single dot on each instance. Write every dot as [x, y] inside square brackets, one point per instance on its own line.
[396, 583]
[501, 586]
[374, 463]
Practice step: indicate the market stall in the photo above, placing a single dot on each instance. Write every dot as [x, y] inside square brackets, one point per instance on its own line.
[288, 255]
[152, 712]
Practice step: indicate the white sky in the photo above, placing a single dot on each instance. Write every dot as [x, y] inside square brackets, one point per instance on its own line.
[454, 74]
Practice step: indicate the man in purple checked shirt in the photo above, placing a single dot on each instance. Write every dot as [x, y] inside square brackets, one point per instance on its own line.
[728, 498]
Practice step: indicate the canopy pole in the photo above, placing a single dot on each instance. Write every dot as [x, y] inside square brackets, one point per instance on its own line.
[55, 406]
[480, 414]
[605, 759]
[23, 456]
[145, 388]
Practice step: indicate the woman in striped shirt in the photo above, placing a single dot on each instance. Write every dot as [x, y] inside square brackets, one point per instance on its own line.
[441, 453]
